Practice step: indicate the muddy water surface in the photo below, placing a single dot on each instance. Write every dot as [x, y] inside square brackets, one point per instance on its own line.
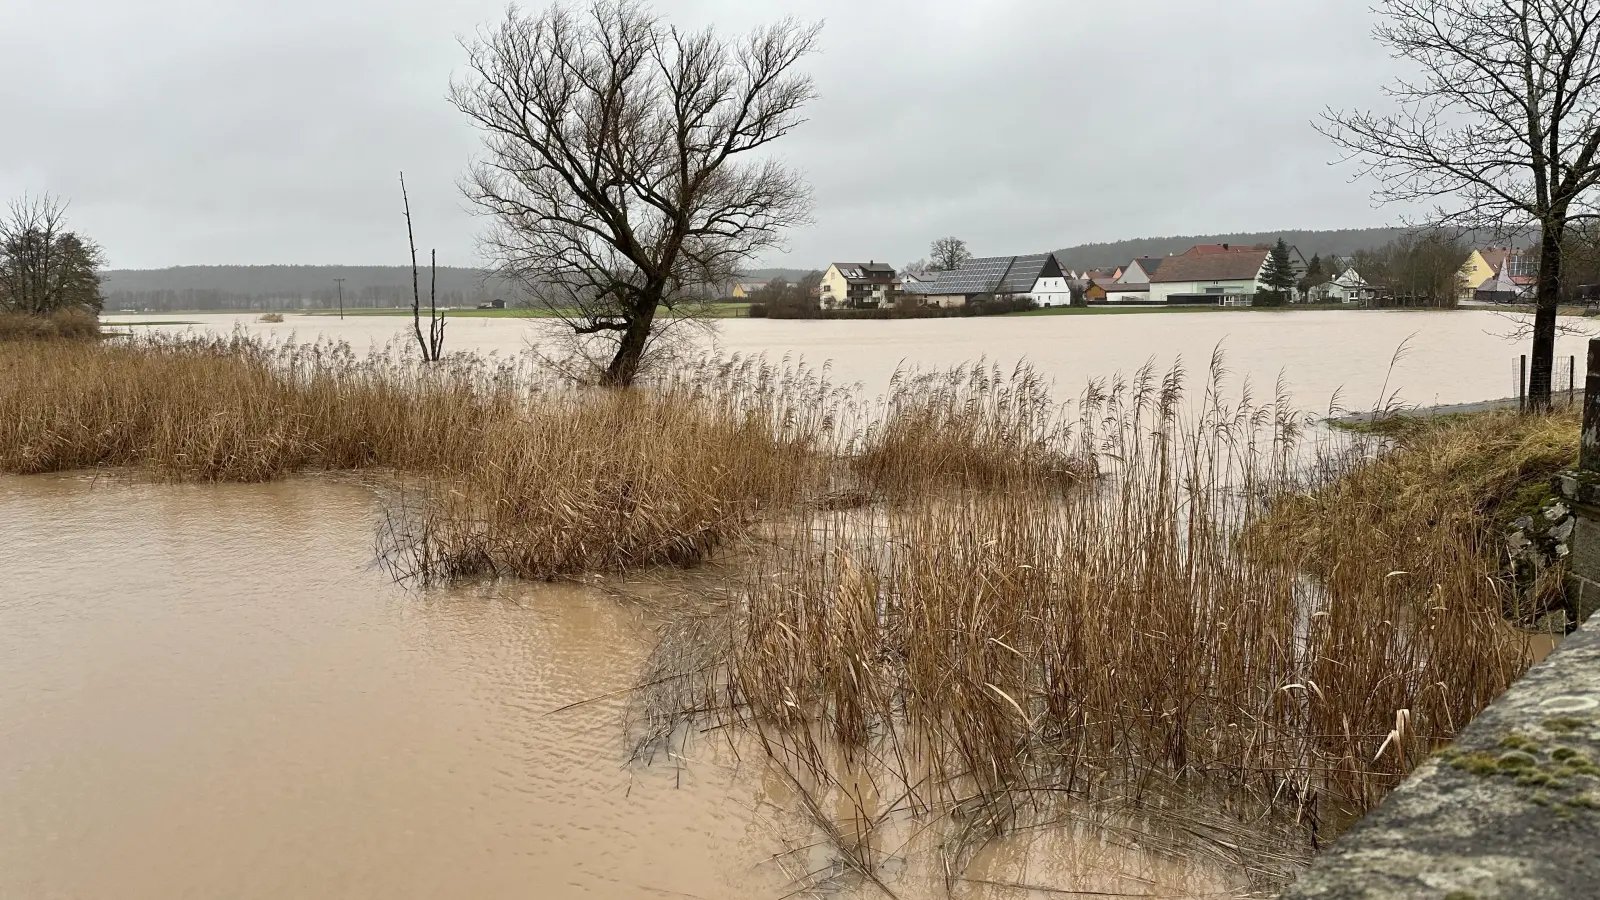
[1458, 356]
[211, 691]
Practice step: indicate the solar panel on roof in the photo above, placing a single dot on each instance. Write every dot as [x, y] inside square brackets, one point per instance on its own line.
[1024, 273]
[976, 276]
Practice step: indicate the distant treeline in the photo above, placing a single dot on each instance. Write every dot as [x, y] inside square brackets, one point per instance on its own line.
[1344, 242]
[291, 287]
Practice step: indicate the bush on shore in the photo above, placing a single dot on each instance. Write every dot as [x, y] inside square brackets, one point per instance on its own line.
[70, 324]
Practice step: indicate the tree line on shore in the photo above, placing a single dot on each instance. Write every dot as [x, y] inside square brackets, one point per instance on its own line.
[49, 274]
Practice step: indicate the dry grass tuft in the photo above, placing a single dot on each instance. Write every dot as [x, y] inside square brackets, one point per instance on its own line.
[971, 427]
[1435, 506]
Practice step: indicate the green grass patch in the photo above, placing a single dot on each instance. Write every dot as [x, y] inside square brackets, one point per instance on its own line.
[154, 322]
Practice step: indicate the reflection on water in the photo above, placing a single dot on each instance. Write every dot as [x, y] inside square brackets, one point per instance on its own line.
[210, 691]
[1452, 356]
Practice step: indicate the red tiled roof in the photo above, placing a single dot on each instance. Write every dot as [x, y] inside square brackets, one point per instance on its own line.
[1205, 249]
[1236, 265]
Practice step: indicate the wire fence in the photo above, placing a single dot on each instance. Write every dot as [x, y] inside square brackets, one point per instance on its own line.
[1564, 390]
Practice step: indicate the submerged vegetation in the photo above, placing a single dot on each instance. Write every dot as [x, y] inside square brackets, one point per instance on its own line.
[967, 604]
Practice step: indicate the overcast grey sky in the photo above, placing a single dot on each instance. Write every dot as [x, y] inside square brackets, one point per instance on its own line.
[225, 131]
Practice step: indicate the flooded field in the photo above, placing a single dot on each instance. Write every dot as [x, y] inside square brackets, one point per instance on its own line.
[1453, 356]
[212, 691]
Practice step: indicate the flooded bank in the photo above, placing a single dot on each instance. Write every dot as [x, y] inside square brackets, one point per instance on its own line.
[212, 691]
[1456, 356]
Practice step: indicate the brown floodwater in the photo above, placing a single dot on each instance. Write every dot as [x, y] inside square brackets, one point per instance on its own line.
[1455, 356]
[213, 691]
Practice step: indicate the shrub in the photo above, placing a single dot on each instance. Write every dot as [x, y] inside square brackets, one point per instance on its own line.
[71, 324]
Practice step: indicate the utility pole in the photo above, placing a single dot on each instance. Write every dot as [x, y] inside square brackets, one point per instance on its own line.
[340, 283]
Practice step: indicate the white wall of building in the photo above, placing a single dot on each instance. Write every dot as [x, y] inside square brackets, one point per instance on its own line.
[1052, 292]
[1127, 296]
[1160, 291]
[1134, 274]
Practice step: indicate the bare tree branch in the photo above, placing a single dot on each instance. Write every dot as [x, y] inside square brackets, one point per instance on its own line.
[1501, 131]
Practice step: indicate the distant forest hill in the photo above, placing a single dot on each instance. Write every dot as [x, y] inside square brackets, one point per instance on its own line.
[291, 287]
[1343, 242]
[196, 288]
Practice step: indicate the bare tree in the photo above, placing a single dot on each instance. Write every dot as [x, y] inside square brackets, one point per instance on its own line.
[1416, 269]
[1501, 132]
[44, 267]
[620, 166]
[432, 345]
[948, 253]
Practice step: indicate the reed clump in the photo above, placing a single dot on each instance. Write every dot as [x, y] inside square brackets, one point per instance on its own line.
[987, 650]
[974, 426]
[506, 470]
[610, 481]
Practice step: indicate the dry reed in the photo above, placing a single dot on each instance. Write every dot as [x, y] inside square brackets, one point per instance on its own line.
[986, 650]
[1002, 629]
[972, 426]
[519, 474]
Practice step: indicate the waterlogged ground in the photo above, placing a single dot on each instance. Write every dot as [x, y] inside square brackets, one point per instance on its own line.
[1457, 356]
[211, 691]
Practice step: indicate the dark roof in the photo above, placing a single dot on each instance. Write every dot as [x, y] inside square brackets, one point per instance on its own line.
[1150, 264]
[1229, 265]
[873, 272]
[991, 275]
[1024, 273]
[1124, 287]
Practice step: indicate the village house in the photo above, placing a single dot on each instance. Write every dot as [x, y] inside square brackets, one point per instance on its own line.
[1141, 270]
[858, 285]
[1210, 275]
[744, 290]
[1348, 287]
[1504, 274]
[1109, 290]
[1038, 276]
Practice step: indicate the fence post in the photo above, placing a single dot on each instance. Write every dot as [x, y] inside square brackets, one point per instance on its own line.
[1522, 384]
[1572, 380]
[1581, 489]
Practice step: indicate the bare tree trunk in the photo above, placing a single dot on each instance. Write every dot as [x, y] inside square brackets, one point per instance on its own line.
[635, 339]
[1548, 298]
